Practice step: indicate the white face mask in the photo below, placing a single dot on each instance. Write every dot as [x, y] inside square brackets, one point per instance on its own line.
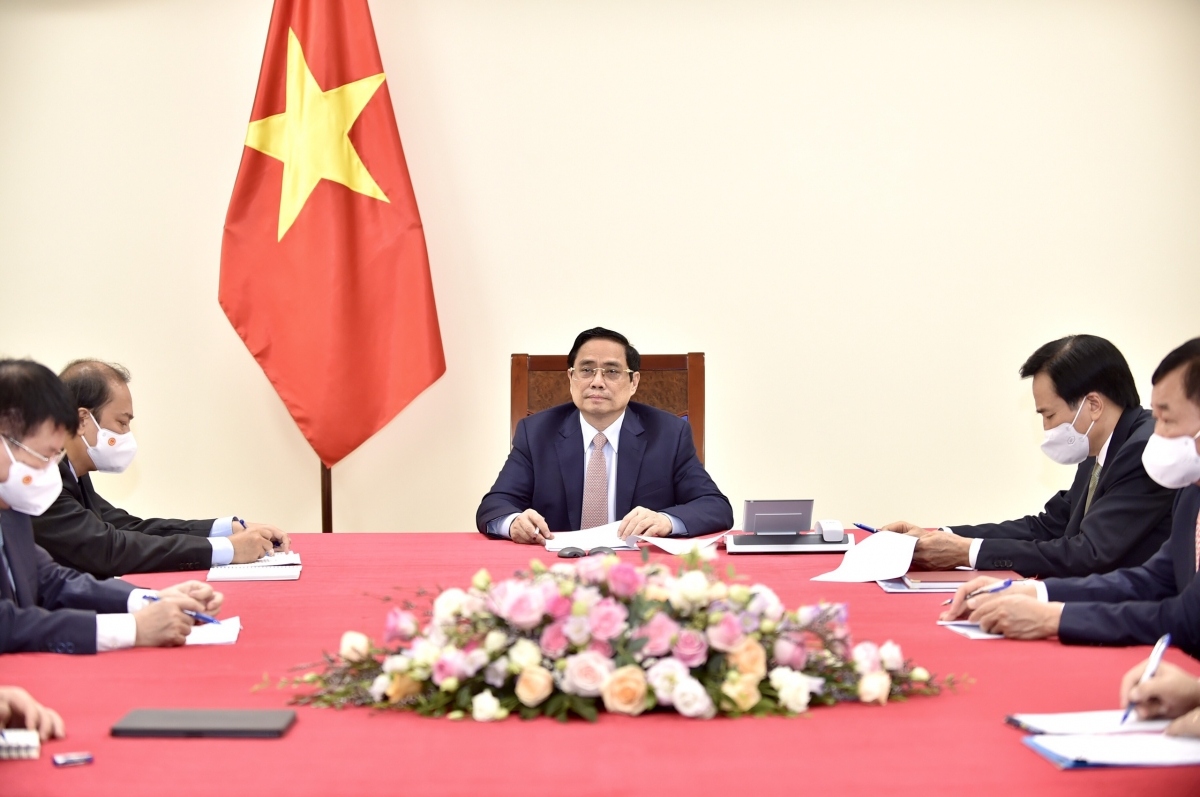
[1066, 446]
[1172, 461]
[113, 452]
[28, 490]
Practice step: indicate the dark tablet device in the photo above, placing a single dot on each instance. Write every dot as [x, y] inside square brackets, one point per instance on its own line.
[202, 722]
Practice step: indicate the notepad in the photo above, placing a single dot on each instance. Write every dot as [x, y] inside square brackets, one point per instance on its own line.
[277, 567]
[598, 537]
[19, 743]
[1078, 751]
[1081, 722]
[938, 580]
[222, 633]
[968, 629]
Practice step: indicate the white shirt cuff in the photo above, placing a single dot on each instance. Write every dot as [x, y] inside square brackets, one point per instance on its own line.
[222, 527]
[1042, 595]
[973, 554]
[678, 529]
[119, 631]
[222, 550]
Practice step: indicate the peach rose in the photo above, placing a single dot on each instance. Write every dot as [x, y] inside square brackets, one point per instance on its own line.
[534, 685]
[355, 646]
[748, 658]
[402, 687]
[743, 691]
[625, 691]
[874, 687]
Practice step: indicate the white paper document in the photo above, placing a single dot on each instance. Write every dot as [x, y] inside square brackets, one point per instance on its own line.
[1120, 750]
[1080, 722]
[880, 556]
[678, 546]
[271, 567]
[968, 629]
[598, 537]
[222, 633]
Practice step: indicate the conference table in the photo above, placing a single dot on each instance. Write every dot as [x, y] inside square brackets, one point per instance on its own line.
[953, 743]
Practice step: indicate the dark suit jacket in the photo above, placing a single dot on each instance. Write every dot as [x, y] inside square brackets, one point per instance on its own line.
[1137, 605]
[83, 531]
[1129, 520]
[656, 468]
[56, 607]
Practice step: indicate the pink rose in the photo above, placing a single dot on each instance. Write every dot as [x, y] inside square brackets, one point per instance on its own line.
[451, 664]
[866, 658]
[554, 641]
[586, 673]
[690, 648]
[602, 647]
[660, 632]
[624, 580]
[559, 606]
[725, 635]
[607, 619]
[401, 626]
[789, 654]
[591, 569]
[523, 606]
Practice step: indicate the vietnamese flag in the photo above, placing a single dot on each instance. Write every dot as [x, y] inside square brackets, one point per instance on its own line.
[324, 272]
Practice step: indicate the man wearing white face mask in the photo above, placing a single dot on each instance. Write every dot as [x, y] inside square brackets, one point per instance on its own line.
[83, 531]
[1114, 515]
[1134, 605]
[44, 606]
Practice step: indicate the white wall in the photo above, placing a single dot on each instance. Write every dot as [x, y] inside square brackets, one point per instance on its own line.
[866, 213]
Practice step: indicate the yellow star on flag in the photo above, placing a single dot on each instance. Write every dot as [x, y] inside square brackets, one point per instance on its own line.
[311, 136]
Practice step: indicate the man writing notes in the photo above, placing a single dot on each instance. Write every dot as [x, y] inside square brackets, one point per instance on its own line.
[44, 606]
[602, 459]
[83, 531]
[1113, 515]
[1133, 605]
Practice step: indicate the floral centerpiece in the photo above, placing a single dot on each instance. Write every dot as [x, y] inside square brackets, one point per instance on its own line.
[601, 632]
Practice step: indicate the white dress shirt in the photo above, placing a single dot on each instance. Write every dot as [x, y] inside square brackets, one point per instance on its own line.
[977, 543]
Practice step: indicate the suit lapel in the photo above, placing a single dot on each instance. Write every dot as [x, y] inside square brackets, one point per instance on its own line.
[19, 550]
[1120, 436]
[1083, 475]
[629, 462]
[569, 447]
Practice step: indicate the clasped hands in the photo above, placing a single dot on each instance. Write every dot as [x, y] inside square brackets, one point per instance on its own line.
[165, 622]
[530, 527]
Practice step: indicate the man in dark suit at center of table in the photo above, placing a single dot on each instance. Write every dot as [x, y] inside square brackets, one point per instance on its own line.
[1133, 605]
[1114, 515]
[602, 459]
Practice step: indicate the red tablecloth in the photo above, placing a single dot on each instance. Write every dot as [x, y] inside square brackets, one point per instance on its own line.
[953, 743]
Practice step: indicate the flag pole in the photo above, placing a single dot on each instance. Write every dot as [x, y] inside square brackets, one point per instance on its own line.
[326, 500]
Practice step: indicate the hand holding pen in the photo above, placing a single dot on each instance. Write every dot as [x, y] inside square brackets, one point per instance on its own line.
[1152, 665]
[983, 585]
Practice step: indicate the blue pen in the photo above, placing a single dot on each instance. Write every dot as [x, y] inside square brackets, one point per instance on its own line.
[204, 618]
[865, 527]
[1156, 655]
[1003, 585]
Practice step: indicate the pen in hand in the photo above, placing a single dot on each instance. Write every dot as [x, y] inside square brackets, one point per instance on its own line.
[1003, 585]
[198, 616]
[1156, 655]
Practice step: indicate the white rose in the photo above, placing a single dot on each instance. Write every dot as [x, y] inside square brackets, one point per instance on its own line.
[495, 641]
[399, 663]
[379, 687]
[664, 675]
[781, 676]
[866, 657]
[524, 653]
[497, 672]
[874, 687]
[475, 661]
[765, 603]
[890, 656]
[691, 699]
[448, 606]
[919, 675]
[794, 695]
[425, 653]
[689, 591]
[355, 646]
[485, 707]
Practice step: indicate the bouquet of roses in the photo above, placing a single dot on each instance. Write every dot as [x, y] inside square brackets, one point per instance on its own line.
[603, 632]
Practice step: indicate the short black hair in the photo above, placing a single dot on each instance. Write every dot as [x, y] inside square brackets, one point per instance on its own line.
[1079, 364]
[30, 395]
[632, 358]
[89, 382]
[1188, 354]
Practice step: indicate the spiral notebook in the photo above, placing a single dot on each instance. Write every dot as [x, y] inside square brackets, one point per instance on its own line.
[19, 743]
[277, 567]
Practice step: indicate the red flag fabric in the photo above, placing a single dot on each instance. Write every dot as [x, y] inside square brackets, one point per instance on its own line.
[324, 272]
